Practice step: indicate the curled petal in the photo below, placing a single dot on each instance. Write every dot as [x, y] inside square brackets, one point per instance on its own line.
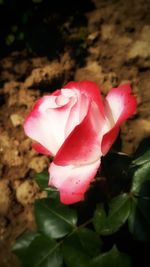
[77, 113]
[120, 105]
[83, 145]
[91, 90]
[46, 123]
[72, 181]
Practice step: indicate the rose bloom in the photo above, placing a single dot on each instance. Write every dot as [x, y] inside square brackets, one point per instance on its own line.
[77, 127]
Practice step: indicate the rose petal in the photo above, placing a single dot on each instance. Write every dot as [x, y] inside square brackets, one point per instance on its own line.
[39, 148]
[47, 121]
[77, 112]
[72, 181]
[120, 105]
[83, 145]
[108, 139]
[90, 89]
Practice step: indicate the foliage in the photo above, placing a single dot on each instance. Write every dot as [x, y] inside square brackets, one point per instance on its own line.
[64, 238]
[119, 210]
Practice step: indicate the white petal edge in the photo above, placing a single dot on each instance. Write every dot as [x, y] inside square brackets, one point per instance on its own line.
[72, 181]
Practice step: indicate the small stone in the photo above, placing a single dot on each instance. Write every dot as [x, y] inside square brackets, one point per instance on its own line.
[38, 164]
[141, 47]
[12, 157]
[93, 36]
[16, 119]
[26, 192]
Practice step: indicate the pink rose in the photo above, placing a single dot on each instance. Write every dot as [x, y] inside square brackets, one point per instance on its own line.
[76, 126]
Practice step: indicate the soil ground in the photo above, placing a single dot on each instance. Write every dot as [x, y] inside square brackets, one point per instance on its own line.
[110, 45]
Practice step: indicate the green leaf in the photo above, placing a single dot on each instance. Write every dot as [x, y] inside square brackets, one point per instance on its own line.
[140, 176]
[119, 209]
[80, 247]
[90, 241]
[112, 258]
[42, 252]
[22, 243]
[142, 159]
[42, 180]
[139, 219]
[73, 253]
[54, 219]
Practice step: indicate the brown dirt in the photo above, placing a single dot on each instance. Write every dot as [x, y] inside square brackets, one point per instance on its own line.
[117, 51]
